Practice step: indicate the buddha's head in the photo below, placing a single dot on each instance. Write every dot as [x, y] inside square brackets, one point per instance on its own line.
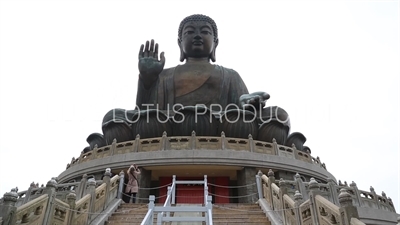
[198, 37]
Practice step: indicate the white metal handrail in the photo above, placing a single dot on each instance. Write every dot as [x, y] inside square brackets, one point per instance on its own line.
[170, 200]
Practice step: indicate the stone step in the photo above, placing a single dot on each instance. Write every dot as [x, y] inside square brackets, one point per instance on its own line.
[241, 223]
[126, 217]
[138, 222]
[217, 216]
[214, 223]
[243, 219]
[256, 207]
[133, 205]
[215, 212]
[223, 214]
[239, 214]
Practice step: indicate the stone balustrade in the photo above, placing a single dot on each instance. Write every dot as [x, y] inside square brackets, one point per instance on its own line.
[31, 213]
[81, 213]
[290, 210]
[47, 208]
[195, 142]
[305, 212]
[328, 212]
[308, 203]
[317, 203]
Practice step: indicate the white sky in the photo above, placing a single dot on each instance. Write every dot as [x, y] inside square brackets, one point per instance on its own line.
[332, 65]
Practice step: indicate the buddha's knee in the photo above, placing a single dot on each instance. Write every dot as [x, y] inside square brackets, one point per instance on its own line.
[274, 123]
[117, 125]
[95, 140]
[297, 140]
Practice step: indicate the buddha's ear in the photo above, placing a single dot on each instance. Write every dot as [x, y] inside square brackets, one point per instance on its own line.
[182, 57]
[212, 56]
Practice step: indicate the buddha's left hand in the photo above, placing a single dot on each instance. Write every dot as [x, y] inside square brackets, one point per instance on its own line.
[256, 99]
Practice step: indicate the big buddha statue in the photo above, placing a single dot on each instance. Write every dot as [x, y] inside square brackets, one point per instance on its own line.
[197, 95]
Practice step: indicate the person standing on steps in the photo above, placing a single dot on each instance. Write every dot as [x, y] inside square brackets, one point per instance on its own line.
[132, 187]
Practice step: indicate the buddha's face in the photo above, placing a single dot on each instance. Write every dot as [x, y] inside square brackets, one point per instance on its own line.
[197, 39]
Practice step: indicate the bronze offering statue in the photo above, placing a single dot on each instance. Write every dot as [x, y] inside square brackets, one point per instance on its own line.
[178, 92]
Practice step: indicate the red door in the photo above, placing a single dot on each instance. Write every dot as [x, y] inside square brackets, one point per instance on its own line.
[220, 189]
[190, 194]
[185, 193]
[194, 194]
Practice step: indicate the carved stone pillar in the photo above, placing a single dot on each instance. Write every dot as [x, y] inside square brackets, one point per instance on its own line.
[282, 192]
[106, 180]
[347, 209]
[29, 192]
[333, 193]
[301, 186]
[375, 197]
[313, 188]
[271, 180]
[82, 187]
[50, 190]
[356, 193]
[92, 191]
[275, 147]
[298, 200]
[8, 209]
[71, 200]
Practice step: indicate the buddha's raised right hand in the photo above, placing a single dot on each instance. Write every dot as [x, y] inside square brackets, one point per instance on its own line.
[149, 65]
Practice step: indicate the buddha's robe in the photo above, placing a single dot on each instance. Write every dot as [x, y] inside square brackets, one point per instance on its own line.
[221, 86]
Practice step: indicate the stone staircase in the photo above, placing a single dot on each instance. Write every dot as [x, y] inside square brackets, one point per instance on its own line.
[223, 214]
[240, 214]
[129, 214]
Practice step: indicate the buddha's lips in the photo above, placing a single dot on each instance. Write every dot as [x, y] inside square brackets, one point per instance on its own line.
[197, 42]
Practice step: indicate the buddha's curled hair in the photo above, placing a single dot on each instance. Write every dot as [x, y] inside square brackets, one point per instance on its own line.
[198, 17]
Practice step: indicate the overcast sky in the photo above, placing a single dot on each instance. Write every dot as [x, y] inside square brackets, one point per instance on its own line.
[332, 65]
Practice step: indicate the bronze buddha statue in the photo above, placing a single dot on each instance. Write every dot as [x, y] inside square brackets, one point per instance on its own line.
[197, 83]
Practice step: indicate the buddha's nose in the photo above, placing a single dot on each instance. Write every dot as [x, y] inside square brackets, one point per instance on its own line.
[197, 36]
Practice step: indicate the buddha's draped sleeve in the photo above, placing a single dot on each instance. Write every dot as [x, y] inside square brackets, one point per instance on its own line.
[145, 95]
[159, 94]
[232, 87]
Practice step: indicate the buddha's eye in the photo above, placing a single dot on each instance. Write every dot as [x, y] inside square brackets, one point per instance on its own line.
[205, 32]
[188, 32]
